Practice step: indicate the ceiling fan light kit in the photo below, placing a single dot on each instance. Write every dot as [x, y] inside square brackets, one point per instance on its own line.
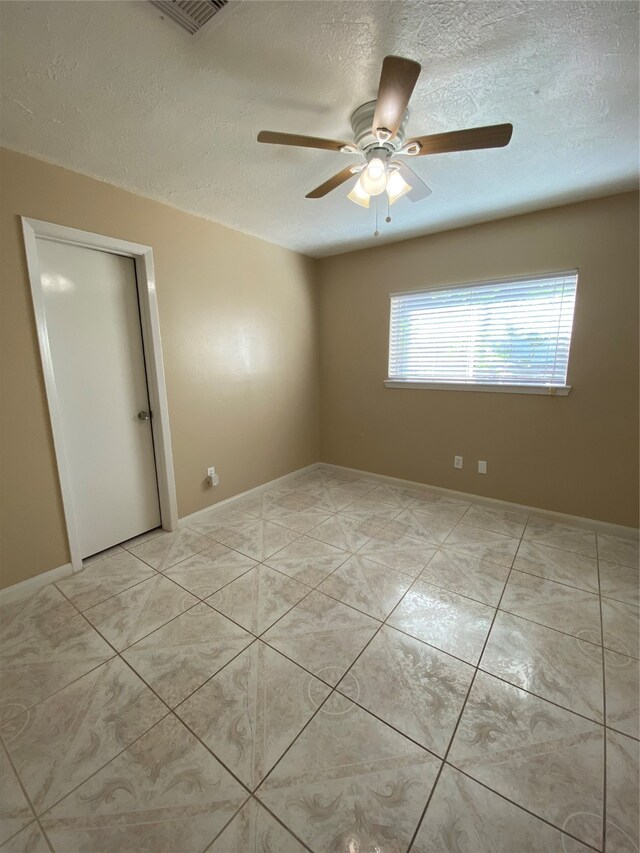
[379, 137]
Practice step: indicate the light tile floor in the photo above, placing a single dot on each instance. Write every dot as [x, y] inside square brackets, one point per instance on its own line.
[338, 664]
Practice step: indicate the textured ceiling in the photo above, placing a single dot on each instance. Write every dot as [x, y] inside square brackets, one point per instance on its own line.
[112, 90]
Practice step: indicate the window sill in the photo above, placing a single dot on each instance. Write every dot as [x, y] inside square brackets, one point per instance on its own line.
[546, 390]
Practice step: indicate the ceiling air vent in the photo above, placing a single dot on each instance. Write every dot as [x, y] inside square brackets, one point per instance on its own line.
[192, 15]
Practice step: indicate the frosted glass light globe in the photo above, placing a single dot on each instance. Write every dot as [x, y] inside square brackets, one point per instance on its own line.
[374, 178]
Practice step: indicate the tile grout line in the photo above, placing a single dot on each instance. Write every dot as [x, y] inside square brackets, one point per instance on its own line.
[120, 654]
[228, 823]
[604, 708]
[112, 595]
[116, 655]
[209, 847]
[211, 752]
[563, 832]
[25, 794]
[473, 680]
[464, 705]
[279, 820]
[170, 712]
[102, 766]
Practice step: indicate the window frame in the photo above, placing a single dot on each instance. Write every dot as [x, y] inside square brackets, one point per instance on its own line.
[500, 388]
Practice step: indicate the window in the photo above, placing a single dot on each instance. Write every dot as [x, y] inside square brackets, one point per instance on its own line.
[498, 336]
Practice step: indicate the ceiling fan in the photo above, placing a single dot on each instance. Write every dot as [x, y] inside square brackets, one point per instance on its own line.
[379, 138]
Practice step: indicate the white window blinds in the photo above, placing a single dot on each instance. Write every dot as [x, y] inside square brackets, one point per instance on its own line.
[505, 332]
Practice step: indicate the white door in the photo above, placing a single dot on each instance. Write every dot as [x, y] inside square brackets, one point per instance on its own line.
[93, 324]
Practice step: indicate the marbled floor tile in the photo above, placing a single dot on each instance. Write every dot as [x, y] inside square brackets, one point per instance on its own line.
[542, 531]
[357, 487]
[35, 668]
[422, 525]
[497, 520]
[431, 496]
[167, 549]
[413, 687]
[28, 840]
[466, 575]
[254, 830]
[371, 510]
[268, 503]
[219, 516]
[252, 710]
[25, 617]
[398, 551]
[300, 520]
[621, 627]
[332, 498]
[350, 782]
[208, 571]
[401, 496]
[14, 808]
[130, 615]
[179, 657]
[59, 743]
[371, 587]
[465, 817]
[555, 605]
[254, 537]
[623, 793]
[555, 666]
[322, 635]
[101, 580]
[307, 560]
[325, 477]
[541, 757]
[620, 582]
[616, 549]
[554, 564]
[622, 684]
[484, 544]
[444, 619]
[165, 793]
[446, 511]
[258, 598]
[346, 533]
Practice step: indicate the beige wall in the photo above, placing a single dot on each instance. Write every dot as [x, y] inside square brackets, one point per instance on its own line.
[238, 322]
[575, 454]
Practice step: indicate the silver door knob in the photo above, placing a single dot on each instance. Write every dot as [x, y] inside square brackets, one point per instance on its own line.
[143, 416]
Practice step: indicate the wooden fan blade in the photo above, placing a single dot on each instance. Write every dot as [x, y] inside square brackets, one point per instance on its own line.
[492, 136]
[397, 81]
[272, 137]
[419, 189]
[331, 184]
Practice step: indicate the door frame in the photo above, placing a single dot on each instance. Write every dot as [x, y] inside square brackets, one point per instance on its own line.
[34, 229]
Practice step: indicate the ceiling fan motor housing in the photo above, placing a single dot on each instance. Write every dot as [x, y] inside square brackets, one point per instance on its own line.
[363, 135]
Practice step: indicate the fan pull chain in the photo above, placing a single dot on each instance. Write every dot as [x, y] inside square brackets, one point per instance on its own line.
[376, 233]
[388, 219]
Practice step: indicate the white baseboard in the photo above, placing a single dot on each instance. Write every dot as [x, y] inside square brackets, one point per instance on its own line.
[605, 527]
[31, 585]
[186, 520]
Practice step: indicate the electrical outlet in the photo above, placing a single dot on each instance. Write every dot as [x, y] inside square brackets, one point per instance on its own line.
[214, 479]
[482, 466]
[457, 461]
